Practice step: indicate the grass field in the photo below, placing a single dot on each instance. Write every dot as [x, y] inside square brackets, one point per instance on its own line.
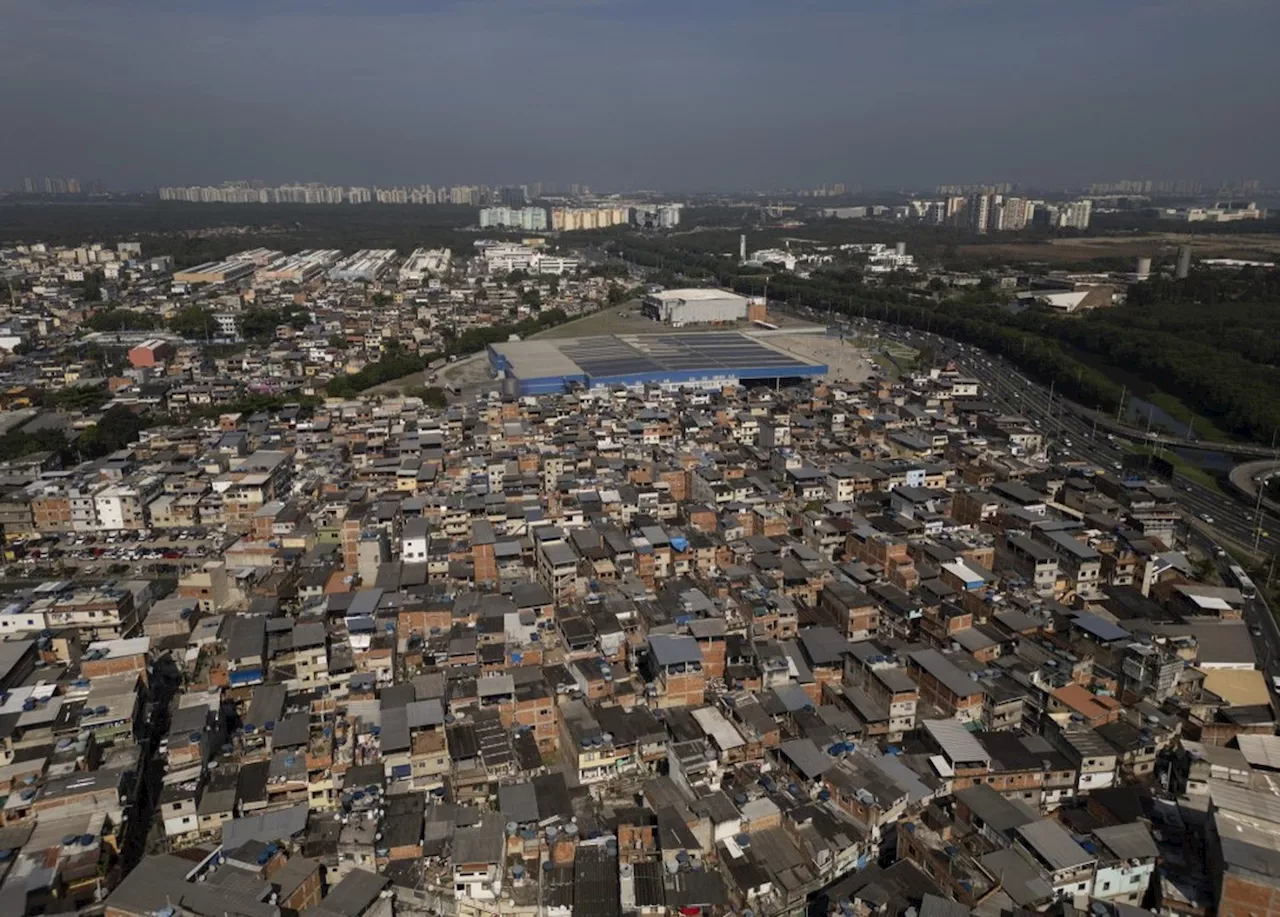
[1181, 466]
[1256, 246]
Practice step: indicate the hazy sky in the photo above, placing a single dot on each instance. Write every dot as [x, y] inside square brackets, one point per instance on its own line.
[680, 94]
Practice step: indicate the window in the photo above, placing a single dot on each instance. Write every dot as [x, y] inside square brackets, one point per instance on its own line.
[1106, 886]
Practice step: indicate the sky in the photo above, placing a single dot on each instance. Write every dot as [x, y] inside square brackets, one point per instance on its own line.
[681, 95]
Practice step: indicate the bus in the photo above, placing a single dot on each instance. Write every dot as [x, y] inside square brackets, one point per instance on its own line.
[1247, 589]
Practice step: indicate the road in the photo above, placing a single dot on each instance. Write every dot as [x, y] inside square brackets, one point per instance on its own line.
[1072, 435]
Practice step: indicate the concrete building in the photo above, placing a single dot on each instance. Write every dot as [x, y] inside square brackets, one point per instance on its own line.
[530, 219]
[569, 219]
[366, 265]
[149, 353]
[690, 307]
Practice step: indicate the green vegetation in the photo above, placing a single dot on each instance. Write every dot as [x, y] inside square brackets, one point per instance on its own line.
[193, 323]
[476, 339]
[432, 396]
[87, 399]
[1200, 426]
[253, 404]
[117, 428]
[394, 365]
[1180, 466]
[259, 325]
[397, 364]
[1211, 341]
[195, 233]
[117, 319]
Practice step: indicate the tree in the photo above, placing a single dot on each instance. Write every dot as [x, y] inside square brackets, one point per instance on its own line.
[113, 319]
[532, 298]
[91, 287]
[383, 299]
[193, 323]
[337, 342]
[432, 396]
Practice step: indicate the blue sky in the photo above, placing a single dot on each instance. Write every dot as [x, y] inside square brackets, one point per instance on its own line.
[639, 93]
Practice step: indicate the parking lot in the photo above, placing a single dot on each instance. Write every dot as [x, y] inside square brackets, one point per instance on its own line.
[173, 547]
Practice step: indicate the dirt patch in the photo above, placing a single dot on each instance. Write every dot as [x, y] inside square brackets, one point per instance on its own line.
[846, 362]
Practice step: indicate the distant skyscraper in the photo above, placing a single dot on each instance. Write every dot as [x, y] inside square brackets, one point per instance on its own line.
[1076, 214]
[73, 186]
[29, 185]
[1013, 214]
[979, 212]
[512, 197]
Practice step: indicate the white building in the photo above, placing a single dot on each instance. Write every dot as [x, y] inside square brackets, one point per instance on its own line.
[425, 262]
[413, 541]
[530, 219]
[773, 256]
[1076, 214]
[687, 307]
[503, 257]
[365, 265]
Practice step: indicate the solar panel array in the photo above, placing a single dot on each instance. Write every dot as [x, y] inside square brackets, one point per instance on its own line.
[607, 356]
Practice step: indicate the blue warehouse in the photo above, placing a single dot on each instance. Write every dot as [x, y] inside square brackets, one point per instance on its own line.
[704, 359]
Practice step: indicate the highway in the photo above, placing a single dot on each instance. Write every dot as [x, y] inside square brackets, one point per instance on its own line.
[1071, 435]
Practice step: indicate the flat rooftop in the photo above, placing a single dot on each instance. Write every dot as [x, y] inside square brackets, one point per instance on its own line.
[636, 358]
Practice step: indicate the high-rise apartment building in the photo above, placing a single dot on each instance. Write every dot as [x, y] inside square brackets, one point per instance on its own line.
[1075, 214]
[978, 211]
[512, 197]
[1014, 214]
[530, 219]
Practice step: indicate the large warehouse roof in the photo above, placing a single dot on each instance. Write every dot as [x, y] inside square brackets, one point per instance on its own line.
[695, 294]
[550, 365]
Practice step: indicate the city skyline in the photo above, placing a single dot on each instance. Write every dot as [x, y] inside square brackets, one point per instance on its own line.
[486, 193]
[623, 95]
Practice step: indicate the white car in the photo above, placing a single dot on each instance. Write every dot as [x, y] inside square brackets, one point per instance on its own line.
[1207, 518]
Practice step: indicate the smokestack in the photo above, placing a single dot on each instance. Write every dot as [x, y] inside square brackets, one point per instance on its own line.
[742, 247]
[902, 249]
[1184, 262]
[1143, 270]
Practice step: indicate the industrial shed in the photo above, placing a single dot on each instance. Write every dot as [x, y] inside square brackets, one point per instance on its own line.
[704, 359]
[693, 307]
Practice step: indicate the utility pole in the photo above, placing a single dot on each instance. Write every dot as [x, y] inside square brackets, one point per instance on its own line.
[1123, 390]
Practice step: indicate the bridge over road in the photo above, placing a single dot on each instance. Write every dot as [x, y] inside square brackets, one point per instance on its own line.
[1249, 476]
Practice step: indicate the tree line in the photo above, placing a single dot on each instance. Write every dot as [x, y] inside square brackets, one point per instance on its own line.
[1212, 340]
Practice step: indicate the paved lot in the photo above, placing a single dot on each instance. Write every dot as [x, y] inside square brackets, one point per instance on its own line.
[846, 361]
